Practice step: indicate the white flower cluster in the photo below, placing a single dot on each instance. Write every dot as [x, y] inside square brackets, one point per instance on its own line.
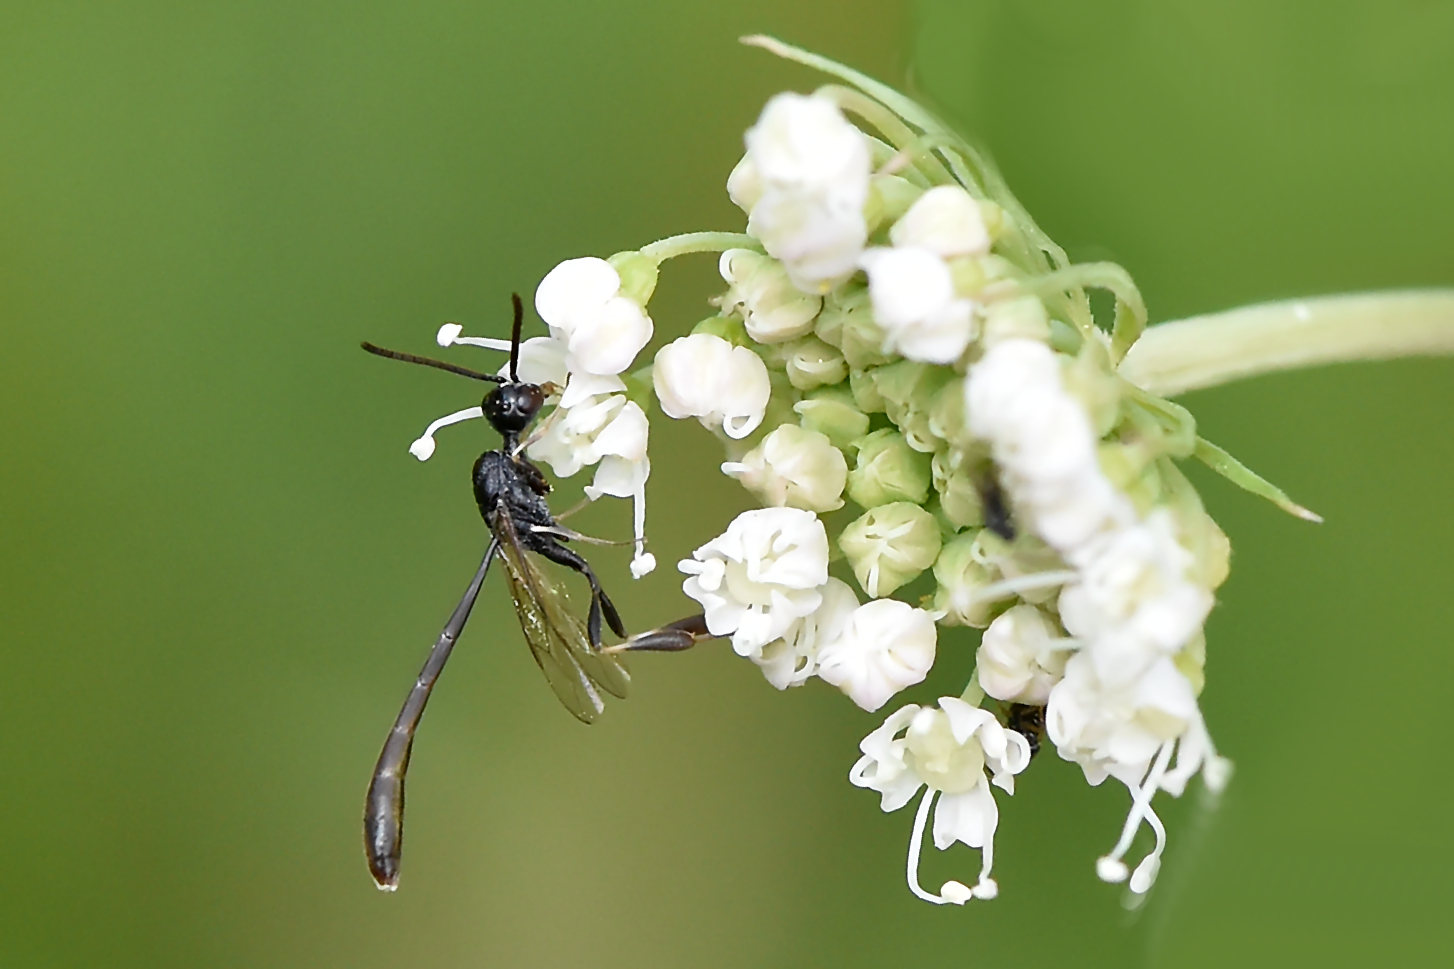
[1117, 701]
[900, 348]
[596, 331]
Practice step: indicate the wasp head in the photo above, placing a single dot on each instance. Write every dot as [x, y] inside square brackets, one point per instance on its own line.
[511, 407]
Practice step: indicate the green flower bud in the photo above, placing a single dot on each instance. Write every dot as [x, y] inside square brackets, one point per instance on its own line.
[1090, 379]
[729, 328]
[847, 323]
[909, 389]
[958, 492]
[1022, 318]
[638, 275]
[889, 197]
[962, 571]
[865, 392]
[1132, 469]
[946, 416]
[1198, 533]
[890, 546]
[831, 412]
[888, 470]
[811, 363]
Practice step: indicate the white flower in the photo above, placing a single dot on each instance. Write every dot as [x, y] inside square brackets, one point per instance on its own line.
[594, 424]
[805, 180]
[581, 301]
[794, 467]
[886, 645]
[948, 750]
[1021, 656]
[773, 309]
[1044, 443]
[915, 303]
[705, 377]
[792, 658]
[1132, 599]
[945, 220]
[1129, 732]
[766, 571]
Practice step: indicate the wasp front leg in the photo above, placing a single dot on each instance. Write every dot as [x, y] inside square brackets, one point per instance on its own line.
[671, 638]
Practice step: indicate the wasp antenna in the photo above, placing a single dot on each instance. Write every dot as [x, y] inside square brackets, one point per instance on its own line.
[427, 362]
[515, 336]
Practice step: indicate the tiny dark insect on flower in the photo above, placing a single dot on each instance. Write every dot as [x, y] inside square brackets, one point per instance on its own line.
[510, 491]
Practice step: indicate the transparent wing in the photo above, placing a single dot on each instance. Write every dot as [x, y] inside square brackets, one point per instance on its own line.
[557, 636]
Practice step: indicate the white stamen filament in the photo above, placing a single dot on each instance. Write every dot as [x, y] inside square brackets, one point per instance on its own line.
[449, 336]
[643, 561]
[1022, 583]
[423, 448]
[951, 892]
[1111, 864]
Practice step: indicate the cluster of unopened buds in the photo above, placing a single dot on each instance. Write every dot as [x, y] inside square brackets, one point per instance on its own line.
[907, 374]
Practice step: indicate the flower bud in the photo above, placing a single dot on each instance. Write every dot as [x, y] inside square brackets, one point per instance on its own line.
[744, 185]
[832, 412]
[811, 363]
[961, 571]
[1022, 318]
[888, 470]
[909, 390]
[915, 303]
[847, 323]
[794, 468]
[958, 491]
[888, 645]
[865, 392]
[602, 328]
[707, 378]
[1018, 658]
[728, 328]
[946, 221]
[773, 309]
[638, 275]
[890, 545]
[889, 197]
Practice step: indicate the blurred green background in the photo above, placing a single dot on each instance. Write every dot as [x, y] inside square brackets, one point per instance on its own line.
[221, 568]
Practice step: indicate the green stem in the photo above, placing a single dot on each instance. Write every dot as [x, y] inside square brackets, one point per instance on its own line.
[1206, 351]
[690, 242]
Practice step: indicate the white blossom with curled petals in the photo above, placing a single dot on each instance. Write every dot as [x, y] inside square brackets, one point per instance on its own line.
[595, 424]
[602, 330]
[805, 181]
[794, 468]
[946, 750]
[772, 308]
[705, 377]
[1021, 656]
[886, 646]
[914, 301]
[791, 659]
[760, 576]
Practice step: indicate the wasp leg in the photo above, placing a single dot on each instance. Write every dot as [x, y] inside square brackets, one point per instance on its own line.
[671, 638]
[600, 602]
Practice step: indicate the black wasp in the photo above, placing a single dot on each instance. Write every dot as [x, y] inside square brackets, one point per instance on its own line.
[510, 492]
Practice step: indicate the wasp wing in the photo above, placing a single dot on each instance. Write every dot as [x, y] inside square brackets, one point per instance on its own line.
[556, 634]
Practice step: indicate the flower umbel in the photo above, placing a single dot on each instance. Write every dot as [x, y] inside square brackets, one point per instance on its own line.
[902, 350]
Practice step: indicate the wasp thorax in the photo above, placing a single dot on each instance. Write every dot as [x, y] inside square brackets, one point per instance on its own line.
[511, 407]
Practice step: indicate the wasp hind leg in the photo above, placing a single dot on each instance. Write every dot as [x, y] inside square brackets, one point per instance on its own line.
[600, 602]
[671, 638]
